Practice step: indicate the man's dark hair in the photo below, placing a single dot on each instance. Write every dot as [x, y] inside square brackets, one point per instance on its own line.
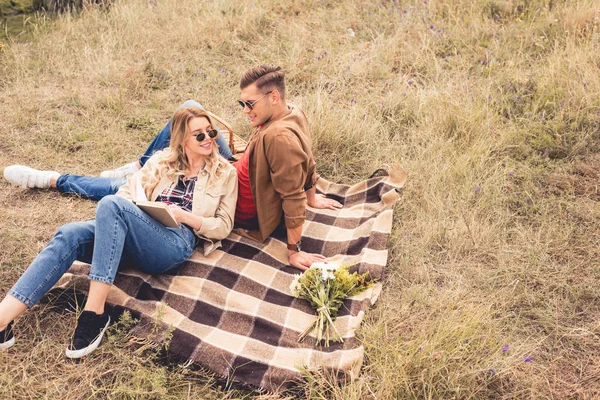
[267, 77]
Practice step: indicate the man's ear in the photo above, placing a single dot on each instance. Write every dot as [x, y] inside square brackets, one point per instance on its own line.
[275, 97]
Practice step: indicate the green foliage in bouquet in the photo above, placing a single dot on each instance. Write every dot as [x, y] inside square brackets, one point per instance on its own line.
[326, 286]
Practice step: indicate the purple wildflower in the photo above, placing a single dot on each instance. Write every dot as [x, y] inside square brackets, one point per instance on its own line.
[403, 11]
[424, 2]
[585, 84]
[478, 189]
[537, 327]
[505, 348]
[430, 26]
[528, 359]
[492, 371]
[174, 87]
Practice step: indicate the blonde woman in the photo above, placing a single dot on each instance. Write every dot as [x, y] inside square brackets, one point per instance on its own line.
[201, 189]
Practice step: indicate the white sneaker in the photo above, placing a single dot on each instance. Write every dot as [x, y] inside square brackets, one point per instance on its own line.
[28, 177]
[121, 172]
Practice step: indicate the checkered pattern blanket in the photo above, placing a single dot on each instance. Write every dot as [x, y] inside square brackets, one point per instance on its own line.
[232, 311]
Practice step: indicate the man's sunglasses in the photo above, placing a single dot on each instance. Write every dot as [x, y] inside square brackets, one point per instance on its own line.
[211, 134]
[251, 104]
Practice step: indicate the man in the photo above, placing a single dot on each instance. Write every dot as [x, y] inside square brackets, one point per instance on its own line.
[277, 173]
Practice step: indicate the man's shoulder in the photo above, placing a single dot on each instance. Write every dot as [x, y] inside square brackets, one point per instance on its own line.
[292, 123]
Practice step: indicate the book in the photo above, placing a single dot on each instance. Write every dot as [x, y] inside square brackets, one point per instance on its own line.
[159, 211]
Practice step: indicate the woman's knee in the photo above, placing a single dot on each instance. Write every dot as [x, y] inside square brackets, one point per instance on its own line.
[111, 202]
[73, 232]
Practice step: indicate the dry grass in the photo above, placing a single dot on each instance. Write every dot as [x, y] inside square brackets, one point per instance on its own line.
[492, 106]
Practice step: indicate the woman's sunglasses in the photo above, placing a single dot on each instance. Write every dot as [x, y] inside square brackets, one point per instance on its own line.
[211, 134]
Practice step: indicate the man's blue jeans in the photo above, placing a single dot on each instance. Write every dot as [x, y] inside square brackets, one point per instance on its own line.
[95, 187]
[122, 234]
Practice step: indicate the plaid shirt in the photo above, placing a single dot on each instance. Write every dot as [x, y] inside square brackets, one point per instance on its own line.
[181, 195]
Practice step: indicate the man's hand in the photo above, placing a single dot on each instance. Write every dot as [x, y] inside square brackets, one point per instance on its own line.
[320, 201]
[303, 260]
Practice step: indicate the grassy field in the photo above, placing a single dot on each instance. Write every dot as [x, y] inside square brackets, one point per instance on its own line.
[493, 108]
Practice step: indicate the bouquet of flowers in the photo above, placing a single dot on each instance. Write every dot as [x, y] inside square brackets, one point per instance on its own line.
[326, 286]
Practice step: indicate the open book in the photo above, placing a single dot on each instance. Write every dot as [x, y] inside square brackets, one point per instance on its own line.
[156, 209]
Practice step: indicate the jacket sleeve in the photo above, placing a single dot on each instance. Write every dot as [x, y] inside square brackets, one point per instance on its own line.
[220, 226]
[288, 163]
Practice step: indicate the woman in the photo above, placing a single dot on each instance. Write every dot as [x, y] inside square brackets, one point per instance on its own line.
[201, 189]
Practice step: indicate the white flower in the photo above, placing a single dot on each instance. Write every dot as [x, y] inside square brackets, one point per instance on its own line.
[320, 265]
[333, 267]
[327, 270]
[295, 285]
[325, 274]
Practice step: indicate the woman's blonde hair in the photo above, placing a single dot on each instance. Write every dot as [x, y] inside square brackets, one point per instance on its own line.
[174, 162]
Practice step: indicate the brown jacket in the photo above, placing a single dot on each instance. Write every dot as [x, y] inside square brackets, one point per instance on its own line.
[281, 167]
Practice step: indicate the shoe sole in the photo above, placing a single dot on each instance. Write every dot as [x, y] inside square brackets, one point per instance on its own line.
[8, 343]
[87, 350]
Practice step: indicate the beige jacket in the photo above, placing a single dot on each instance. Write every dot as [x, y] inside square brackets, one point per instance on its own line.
[214, 201]
[281, 167]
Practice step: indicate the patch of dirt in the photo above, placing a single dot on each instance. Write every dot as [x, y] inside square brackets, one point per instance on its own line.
[581, 179]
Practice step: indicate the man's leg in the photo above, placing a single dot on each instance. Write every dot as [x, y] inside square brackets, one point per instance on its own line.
[89, 187]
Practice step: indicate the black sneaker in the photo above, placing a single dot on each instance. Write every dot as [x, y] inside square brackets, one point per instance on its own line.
[7, 339]
[88, 334]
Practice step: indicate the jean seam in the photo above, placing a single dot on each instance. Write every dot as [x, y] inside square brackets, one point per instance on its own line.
[101, 279]
[113, 249]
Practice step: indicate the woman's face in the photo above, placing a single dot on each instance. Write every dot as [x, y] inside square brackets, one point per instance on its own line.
[193, 148]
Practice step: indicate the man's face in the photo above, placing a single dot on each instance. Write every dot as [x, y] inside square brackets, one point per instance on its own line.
[262, 108]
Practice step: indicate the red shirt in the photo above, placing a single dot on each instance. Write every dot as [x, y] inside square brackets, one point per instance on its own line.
[245, 211]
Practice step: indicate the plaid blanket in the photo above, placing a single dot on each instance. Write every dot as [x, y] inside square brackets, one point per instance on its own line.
[232, 311]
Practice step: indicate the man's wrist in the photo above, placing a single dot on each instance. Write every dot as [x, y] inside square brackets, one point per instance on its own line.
[293, 247]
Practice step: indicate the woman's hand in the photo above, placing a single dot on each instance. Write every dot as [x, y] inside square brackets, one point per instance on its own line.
[186, 217]
[178, 213]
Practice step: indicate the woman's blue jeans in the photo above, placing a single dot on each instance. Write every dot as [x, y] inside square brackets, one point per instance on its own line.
[121, 235]
[95, 187]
